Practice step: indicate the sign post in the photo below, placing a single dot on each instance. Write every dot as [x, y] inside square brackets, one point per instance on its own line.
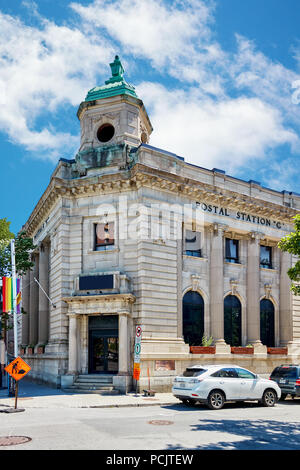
[137, 353]
[13, 275]
[17, 369]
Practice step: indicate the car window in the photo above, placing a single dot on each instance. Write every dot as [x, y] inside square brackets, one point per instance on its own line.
[286, 372]
[244, 374]
[226, 372]
[275, 372]
[193, 372]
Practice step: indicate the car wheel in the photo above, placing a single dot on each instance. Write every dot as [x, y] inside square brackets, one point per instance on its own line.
[216, 400]
[283, 396]
[269, 398]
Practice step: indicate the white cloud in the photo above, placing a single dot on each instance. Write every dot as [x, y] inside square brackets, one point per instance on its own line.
[175, 37]
[213, 133]
[41, 69]
[252, 71]
[226, 108]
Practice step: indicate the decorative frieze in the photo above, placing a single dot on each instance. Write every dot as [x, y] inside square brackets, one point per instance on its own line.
[259, 212]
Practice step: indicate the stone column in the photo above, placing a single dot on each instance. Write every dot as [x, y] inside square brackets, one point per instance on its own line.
[34, 302]
[253, 292]
[73, 360]
[285, 300]
[26, 307]
[43, 324]
[123, 343]
[217, 288]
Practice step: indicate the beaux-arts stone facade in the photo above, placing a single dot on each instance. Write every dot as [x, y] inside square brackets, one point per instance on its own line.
[128, 234]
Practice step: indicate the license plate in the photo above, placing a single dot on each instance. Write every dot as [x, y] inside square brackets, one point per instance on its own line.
[282, 381]
[182, 385]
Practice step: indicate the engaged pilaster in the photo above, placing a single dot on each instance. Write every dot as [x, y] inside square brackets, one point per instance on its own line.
[34, 302]
[285, 300]
[123, 343]
[253, 292]
[217, 288]
[73, 359]
[43, 324]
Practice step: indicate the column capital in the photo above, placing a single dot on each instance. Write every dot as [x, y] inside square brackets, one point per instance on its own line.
[255, 237]
[124, 312]
[42, 244]
[217, 229]
[73, 315]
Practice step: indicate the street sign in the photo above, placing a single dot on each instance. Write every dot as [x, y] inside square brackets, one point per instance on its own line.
[137, 353]
[18, 368]
[136, 371]
[138, 332]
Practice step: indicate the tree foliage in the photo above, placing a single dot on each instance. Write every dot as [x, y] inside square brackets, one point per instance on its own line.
[23, 247]
[291, 244]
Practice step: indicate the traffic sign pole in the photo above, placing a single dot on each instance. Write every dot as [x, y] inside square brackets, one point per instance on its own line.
[13, 275]
[17, 369]
[16, 395]
[137, 352]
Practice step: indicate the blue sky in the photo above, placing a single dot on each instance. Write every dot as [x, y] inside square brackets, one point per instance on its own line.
[220, 81]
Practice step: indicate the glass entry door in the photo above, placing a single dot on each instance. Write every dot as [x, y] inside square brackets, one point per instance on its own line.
[103, 355]
[103, 345]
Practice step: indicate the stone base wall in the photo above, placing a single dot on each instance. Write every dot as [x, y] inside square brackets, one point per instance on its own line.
[46, 369]
[161, 381]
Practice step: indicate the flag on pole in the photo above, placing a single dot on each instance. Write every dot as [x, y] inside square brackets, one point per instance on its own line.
[18, 295]
[7, 295]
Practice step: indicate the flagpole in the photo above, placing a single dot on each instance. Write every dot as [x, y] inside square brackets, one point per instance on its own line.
[13, 275]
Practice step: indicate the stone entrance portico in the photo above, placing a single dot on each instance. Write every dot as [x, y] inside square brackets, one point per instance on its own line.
[80, 308]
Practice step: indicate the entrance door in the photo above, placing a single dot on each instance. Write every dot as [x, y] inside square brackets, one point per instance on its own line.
[103, 345]
[103, 355]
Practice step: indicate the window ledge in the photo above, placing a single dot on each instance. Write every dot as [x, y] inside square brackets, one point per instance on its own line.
[203, 258]
[113, 250]
[268, 269]
[233, 264]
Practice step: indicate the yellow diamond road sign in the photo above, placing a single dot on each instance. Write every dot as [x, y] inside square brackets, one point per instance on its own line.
[18, 368]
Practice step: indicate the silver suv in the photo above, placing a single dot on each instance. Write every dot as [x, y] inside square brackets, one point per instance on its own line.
[215, 384]
[287, 376]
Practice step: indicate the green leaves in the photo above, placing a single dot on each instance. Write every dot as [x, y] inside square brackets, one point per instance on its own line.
[291, 244]
[23, 247]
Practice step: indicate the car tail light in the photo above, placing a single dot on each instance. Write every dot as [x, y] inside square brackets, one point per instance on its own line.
[298, 382]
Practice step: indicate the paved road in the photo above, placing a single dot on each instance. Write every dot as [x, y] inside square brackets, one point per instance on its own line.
[238, 426]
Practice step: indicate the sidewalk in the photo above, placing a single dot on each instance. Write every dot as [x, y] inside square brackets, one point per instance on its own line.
[32, 395]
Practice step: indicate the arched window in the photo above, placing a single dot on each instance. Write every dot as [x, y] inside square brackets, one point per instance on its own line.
[193, 318]
[232, 320]
[267, 333]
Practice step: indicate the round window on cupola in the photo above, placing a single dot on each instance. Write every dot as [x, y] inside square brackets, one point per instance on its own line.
[105, 133]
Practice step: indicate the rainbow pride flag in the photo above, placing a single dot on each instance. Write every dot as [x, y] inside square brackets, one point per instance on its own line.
[7, 295]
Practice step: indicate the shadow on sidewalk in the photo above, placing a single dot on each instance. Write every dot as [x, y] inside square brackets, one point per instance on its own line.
[28, 388]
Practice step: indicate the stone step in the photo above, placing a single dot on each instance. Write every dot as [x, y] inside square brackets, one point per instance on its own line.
[93, 383]
[98, 391]
[88, 379]
[92, 386]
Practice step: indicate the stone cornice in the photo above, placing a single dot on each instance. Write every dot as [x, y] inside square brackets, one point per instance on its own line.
[143, 176]
[127, 298]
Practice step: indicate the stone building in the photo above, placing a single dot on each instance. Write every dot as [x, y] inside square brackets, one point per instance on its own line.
[128, 234]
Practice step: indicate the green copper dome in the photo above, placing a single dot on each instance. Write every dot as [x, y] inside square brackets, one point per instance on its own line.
[116, 85]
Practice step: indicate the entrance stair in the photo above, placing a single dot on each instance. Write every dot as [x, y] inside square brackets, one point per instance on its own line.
[93, 383]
